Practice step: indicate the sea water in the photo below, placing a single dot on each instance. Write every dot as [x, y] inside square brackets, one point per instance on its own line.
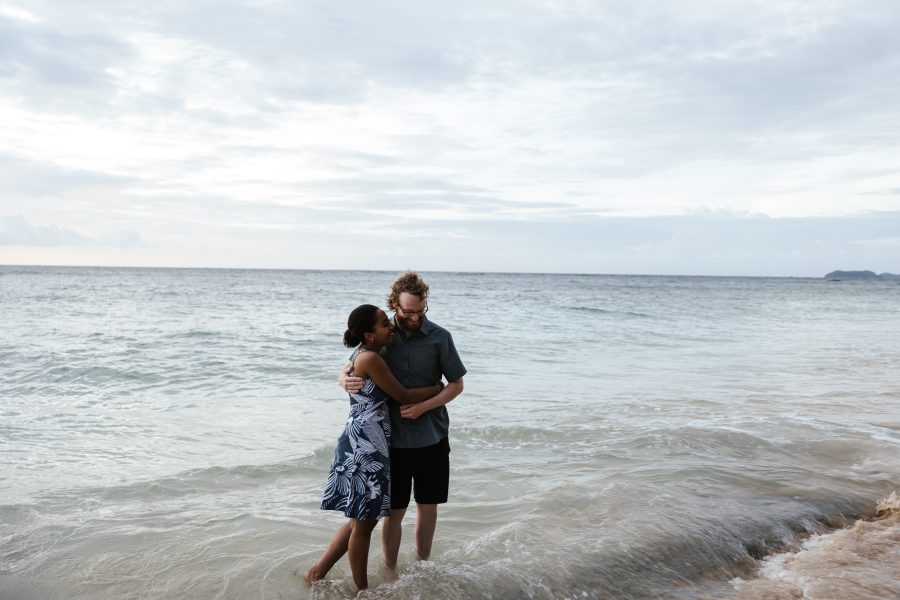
[165, 434]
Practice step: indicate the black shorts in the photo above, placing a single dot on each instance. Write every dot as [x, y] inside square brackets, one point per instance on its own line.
[427, 468]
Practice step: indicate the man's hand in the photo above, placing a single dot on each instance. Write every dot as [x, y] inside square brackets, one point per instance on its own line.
[350, 383]
[413, 411]
[450, 391]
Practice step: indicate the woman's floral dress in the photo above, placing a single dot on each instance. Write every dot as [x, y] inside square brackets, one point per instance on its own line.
[359, 482]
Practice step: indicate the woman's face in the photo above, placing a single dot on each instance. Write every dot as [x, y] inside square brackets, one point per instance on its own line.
[383, 329]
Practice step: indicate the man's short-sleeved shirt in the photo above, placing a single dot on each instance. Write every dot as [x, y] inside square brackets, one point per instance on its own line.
[419, 360]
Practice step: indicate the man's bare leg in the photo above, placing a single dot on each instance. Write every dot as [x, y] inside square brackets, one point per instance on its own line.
[391, 532]
[426, 521]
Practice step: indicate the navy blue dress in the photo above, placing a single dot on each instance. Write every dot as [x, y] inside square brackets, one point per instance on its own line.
[359, 482]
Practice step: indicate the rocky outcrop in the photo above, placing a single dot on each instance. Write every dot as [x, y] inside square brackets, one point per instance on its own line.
[861, 275]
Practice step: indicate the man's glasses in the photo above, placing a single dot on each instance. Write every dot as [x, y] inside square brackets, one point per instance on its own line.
[412, 313]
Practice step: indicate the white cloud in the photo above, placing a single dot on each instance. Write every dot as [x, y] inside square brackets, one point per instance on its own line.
[18, 13]
[17, 231]
[878, 243]
[170, 118]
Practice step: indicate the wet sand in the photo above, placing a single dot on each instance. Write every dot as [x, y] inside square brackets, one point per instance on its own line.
[856, 563]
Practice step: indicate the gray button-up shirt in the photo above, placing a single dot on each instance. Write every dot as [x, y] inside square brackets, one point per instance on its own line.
[418, 360]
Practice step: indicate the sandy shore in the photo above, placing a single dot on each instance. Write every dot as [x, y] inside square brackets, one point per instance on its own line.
[855, 563]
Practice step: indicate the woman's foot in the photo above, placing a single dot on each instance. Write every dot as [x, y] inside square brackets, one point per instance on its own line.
[312, 575]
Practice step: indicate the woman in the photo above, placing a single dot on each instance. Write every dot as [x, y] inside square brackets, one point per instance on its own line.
[359, 481]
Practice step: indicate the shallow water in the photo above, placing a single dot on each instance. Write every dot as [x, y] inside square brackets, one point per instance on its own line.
[166, 433]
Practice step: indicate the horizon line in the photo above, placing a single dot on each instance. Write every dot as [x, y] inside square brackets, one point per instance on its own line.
[448, 271]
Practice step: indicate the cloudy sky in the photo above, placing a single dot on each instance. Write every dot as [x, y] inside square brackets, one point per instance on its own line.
[682, 137]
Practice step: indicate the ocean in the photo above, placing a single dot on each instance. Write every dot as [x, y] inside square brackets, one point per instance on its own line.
[166, 434]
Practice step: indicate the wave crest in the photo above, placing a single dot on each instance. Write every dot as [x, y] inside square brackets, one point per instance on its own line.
[888, 507]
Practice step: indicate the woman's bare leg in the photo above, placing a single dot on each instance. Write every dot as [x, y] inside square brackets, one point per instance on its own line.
[358, 550]
[336, 549]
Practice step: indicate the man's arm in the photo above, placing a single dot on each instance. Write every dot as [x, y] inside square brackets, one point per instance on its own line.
[350, 383]
[451, 391]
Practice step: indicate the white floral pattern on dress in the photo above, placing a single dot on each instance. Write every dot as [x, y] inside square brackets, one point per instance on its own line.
[359, 481]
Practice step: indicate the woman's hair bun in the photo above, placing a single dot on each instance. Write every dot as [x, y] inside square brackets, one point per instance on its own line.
[361, 320]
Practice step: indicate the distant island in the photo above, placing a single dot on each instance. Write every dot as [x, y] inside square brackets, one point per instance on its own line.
[866, 275]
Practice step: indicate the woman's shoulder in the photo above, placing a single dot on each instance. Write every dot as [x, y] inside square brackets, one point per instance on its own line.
[367, 357]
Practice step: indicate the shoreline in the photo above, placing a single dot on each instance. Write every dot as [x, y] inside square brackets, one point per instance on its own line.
[856, 562]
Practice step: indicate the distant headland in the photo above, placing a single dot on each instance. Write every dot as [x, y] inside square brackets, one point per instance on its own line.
[868, 275]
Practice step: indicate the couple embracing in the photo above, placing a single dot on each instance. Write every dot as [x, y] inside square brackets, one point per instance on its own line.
[395, 440]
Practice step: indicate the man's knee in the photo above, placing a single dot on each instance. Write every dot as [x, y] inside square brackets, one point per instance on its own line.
[426, 510]
[396, 516]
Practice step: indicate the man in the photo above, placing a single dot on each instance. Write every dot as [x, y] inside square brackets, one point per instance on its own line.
[421, 352]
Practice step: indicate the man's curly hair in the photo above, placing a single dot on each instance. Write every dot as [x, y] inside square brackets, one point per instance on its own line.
[410, 282]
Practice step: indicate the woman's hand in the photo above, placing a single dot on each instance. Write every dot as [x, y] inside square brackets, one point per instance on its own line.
[412, 411]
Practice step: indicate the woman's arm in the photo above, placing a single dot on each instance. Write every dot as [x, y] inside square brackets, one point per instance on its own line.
[371, 365]
[414, 411]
